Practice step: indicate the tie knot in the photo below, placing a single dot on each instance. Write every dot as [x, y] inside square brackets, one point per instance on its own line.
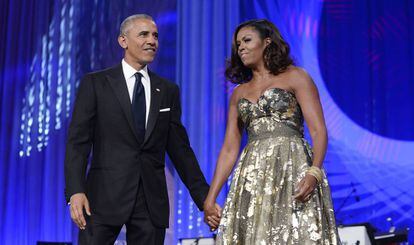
[138, 75]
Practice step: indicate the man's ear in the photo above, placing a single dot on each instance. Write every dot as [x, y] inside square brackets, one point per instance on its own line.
[122, 41]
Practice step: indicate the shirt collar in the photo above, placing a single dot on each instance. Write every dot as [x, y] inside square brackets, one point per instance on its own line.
[130, 71]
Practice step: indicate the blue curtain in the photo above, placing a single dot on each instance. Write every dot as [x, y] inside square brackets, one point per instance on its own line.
[203, 42]
[32, 205]
[46, 47]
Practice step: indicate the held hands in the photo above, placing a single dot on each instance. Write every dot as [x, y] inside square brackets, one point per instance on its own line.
[305, 188]
[78, 202]
[212, 215]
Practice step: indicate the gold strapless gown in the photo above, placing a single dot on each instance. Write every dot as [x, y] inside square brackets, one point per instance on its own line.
[260, 208]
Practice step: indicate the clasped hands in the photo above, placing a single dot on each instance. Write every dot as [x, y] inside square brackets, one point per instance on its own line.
[79, 202]
[212, 211]
[212, 214]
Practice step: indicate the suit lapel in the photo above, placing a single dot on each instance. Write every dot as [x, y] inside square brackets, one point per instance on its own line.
[157, 91]
[117, 81]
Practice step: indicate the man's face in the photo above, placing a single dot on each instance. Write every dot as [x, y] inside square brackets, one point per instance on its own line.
[140, 42]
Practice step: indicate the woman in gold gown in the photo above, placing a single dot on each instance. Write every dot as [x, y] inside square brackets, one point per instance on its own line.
[279, 193]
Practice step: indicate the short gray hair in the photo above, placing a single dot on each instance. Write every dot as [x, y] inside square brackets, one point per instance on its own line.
[126, 24]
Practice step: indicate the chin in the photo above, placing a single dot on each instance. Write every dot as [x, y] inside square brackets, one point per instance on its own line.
[248, 64]
[149, 59]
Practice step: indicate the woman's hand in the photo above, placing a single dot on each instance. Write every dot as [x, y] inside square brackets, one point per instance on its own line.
[212, 215]
[305, 188]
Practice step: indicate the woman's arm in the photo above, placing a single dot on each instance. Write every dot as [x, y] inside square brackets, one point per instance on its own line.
[226, 160]
[308, 98]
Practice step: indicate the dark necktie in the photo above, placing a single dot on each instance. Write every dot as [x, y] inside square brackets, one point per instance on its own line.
[138, 107]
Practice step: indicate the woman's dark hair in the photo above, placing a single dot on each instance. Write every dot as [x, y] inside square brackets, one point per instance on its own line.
[276, 55]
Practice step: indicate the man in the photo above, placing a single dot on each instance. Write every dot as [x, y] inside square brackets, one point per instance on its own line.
[130, 117]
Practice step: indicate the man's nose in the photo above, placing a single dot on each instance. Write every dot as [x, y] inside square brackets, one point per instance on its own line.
[151, 41]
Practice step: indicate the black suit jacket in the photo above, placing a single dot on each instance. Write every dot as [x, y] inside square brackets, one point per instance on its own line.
[102, 120]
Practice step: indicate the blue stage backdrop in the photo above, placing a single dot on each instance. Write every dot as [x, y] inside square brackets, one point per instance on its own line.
[204, 35]
[359, 53]
[46, 47]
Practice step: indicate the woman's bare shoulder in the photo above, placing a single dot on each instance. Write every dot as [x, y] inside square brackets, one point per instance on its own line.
[238, 91]
[299, 77]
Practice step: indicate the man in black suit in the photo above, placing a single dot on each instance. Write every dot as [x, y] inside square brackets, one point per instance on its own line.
[130, 117]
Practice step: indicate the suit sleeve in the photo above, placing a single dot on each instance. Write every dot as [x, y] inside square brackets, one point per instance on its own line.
[183, 157]
[80, 137]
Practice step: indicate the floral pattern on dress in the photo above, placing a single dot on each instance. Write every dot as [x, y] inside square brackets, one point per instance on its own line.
[260, 208]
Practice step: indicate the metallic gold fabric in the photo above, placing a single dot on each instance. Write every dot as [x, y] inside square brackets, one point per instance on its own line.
[260, 208]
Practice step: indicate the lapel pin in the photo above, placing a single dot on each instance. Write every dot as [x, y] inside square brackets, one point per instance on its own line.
[158, 90]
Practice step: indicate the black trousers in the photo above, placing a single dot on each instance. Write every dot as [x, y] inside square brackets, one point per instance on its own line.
[139, 228]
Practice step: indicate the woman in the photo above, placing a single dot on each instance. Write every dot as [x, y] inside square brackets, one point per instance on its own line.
[278, 194]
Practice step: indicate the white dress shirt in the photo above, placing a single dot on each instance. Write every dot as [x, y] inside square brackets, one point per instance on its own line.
[129, 73]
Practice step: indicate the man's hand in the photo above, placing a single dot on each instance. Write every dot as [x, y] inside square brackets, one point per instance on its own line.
[212, 215]
[78, 202]
[305, 188]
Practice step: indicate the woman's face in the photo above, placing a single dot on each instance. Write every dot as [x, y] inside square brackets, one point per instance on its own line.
[250, 46]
